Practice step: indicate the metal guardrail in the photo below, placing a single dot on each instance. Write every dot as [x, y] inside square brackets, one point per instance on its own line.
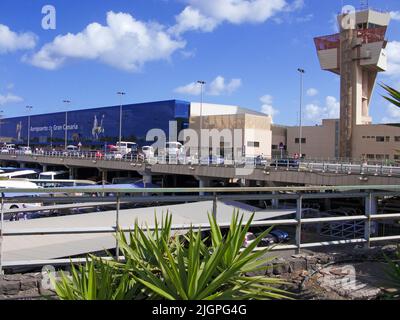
[335, 166]
[299, 194]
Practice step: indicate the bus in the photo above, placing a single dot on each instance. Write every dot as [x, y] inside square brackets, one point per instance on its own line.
[20, 174]
[54, 175]
[9, 205]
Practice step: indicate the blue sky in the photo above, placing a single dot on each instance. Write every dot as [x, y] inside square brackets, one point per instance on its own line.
[247, 51]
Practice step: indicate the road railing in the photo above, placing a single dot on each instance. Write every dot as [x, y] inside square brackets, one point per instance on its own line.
[116, 197]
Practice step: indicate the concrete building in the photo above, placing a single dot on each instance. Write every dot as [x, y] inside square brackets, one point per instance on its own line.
[237, 131]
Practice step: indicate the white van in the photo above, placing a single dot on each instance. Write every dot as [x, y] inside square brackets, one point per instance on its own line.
[24, 151]
[148, 151]
[127, 147]
[174, 149]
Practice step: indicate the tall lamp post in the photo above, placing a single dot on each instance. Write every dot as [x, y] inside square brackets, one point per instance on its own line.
[301, 72]
[121, 94]
[29, 108]
[1, 120]
[66, 123]
[201, 83]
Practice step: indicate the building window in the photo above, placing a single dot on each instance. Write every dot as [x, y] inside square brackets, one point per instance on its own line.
[303, 140]
[274, 147]
[396, 157]
[397, 139]
[254, 144]
[380, 139]
[379, 157]
[370, 156]
[387, 139]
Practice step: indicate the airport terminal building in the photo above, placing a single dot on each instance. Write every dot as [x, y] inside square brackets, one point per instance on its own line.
[96, 128]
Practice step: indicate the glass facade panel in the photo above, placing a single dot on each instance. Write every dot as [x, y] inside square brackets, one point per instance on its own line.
[97, 127]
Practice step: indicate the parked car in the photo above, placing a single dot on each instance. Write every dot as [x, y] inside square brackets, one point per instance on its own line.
[72, 151]
[115, 155]
[280, 236]
[148, 151]
[24, 151]
[212, 159]
[4, 150]
[292, 163]
[249, 239]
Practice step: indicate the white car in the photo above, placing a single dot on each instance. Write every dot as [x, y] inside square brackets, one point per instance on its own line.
[5, 151]
[249, 239]
[113, 156]
[148, 151]
[24, 151]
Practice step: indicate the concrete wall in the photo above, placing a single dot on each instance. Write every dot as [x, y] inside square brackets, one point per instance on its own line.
[320, 140]
[254, 128]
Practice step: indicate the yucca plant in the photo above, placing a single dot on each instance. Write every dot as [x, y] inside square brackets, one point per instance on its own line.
[159, 266]
[96, 280]
[393, 270]
[394, 95]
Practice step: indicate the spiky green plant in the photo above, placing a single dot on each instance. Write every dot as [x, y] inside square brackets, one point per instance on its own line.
[96, 280]
[159, 266]
[393, 271]
[394, 95]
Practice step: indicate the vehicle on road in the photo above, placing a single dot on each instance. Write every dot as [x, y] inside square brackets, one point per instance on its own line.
[148, 152]
[54, 175]
[249, 239]
[24, 151]
[126, 147]
[114, 155]
[21, 174]
[212, 159]
[291, 163]
[18, 184]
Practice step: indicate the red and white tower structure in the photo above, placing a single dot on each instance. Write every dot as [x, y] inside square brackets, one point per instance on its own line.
[357, 53]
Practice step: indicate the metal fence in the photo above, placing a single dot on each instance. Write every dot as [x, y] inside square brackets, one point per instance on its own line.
[369, 194]
[335, 166]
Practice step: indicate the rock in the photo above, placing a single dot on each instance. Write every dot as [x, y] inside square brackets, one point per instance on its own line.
[28, 284]
[8, 288]
[280, 267]
[298, 264]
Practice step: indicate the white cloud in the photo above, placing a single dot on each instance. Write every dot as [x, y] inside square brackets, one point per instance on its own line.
[267, 105]
[9, 98]
[192, 19]
[11, 41]
[316, 113]
[392, 114]
[218, 86]
[393, 54]
[395, 15]
[206, 15]
[193, 89]
[312, 92]
[125, 43]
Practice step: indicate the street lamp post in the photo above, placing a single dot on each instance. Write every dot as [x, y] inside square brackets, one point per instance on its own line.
[29, 108]
[121, 94]
[302, 72]
[1, 119]
[66, 124]
[201, 83]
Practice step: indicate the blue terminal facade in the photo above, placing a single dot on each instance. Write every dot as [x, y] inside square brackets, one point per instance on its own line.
[95, 128]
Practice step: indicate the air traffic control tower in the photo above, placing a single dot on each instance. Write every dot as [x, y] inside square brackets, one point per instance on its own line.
[356, 54]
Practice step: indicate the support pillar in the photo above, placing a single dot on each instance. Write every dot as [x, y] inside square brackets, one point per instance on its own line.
[275, 202]
[72, 173]
[44, 168]
[22, 165]
[203, 183]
